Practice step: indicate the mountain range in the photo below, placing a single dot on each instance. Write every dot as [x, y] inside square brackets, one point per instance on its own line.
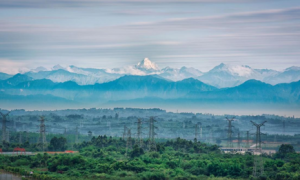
[21, 87]
[221, 76]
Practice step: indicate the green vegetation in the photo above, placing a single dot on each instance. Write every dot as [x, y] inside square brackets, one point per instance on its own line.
[105, 158]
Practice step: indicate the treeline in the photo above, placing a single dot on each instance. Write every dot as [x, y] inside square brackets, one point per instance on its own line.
[110, 158]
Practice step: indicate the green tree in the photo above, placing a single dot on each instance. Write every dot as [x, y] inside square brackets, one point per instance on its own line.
[58, 144]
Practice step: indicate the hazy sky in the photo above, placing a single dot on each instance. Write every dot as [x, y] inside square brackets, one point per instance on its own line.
[110, 33]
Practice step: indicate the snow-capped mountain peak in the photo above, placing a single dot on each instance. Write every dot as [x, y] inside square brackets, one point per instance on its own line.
[293, 68]
[147, 64]
[240, 70]
[38, 69]
[57, 67]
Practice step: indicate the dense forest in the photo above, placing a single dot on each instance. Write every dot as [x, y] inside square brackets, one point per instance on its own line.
[115, 158]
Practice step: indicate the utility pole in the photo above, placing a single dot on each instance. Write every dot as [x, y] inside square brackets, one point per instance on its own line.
[129, 141]
[152, 144]
[258, 168]
[4, 126]
[42, 137]
[139, 140]
[229, 132]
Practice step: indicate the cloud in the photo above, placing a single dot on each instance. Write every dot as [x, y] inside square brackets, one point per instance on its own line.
[92, 3]
[268, 35]
[12, 67]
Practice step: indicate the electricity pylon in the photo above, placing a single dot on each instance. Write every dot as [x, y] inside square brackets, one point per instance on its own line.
[239, 140]
[283, 126]
[4, 125]
[201, 136]
[139, 140]
[196, 133]
[7, 136]
[26, 136]
[124, 132]
[211, 134]
[258, 168]
[248, 139]
[152, 144]
[20, 137]
[76, 135]
[258, 133]
[129, 141]
[65, 132]
[42, 137]
[229, 132]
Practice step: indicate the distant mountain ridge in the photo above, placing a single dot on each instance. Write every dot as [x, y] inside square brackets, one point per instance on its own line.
[126, 87]
[223, 75]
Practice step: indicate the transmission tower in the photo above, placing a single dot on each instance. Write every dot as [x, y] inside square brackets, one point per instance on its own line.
[258, 168]
[26, 136]
[196, 133]
[283, 126]
[139, 140]
[42, 137]
[65, 132]
[152, 144]
[211, 133]
[239, 140]
[7, 136]
[258, 134]
[20, 137]
[229, 132]
[248, 139]
[124, 132]
[201, 136]
[76, 135]
[4, 126]
[129, 141]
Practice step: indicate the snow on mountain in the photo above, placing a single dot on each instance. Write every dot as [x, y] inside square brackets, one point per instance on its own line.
[146, 64]
[179, 74]
[57, 67]
[127, 70]
[290, 74]
[38, 69]
[223, 75]
[235, 70]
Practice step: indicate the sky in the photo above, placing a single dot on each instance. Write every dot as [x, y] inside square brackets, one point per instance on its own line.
[116, 33]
